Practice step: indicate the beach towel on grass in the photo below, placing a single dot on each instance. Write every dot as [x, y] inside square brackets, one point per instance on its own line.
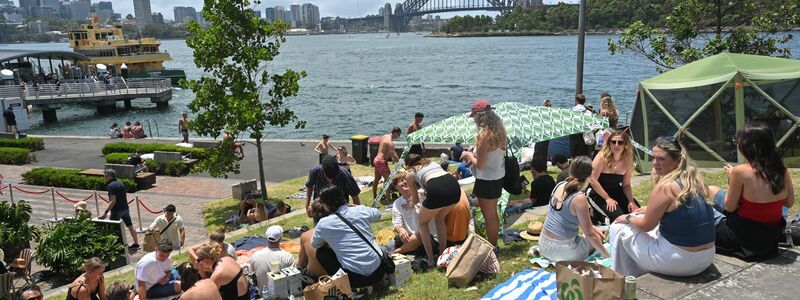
[527, 284]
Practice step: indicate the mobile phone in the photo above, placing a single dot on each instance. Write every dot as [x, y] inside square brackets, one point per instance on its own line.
[523, 180]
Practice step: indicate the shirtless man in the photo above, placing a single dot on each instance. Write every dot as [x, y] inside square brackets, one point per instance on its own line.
[323, 147]
[182, 127]
[414, 126]
[386, 148]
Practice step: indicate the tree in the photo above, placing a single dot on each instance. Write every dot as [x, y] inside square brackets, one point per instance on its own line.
[239, 95]
[699, 28]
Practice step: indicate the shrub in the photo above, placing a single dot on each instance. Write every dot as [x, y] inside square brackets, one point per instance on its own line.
[64, 247]
[30, 143]
[117, 158]
[68, 178]
[15, 231]
[128, 148]
[173, 168]
[15, 156]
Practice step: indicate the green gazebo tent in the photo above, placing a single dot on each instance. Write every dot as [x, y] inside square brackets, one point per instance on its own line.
[710, 98]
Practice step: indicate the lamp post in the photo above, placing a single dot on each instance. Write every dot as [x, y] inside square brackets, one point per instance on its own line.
[581, 40]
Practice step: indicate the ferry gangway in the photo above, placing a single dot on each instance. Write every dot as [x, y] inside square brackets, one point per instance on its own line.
[72, 92]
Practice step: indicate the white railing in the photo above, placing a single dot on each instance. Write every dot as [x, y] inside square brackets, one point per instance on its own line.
[85, 89]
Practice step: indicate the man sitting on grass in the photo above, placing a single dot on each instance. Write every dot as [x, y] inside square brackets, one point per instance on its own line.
[154, 276]
[270, 259]
[405, 222]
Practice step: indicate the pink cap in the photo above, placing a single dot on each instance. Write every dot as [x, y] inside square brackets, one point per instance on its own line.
[480, 105]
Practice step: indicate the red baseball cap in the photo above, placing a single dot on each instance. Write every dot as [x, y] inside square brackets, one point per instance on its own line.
[480, 105]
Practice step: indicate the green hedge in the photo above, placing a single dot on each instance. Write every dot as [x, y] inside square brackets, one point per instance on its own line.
[117, 158]
[30, 143]
[68, 178]
[15, 156]
[173, 168]
[129, 148]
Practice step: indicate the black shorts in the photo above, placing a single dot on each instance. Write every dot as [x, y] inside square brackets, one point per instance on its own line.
[442, 191]
[416, 149]
[488, 189]
[124, 215]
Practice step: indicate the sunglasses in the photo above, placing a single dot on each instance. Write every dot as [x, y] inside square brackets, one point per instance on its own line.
[617, 142]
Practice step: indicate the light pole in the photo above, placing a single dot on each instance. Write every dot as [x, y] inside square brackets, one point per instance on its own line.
[581, 38]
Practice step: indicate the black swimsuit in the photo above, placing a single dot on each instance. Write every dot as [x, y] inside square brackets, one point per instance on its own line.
[231, 289]
[92, 295]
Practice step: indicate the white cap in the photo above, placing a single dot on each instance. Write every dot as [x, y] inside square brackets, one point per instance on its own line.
[274, 233]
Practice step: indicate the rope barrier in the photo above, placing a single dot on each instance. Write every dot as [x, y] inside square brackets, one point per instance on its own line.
[30, 192]
[149, 210]
[103, 198]
[72, 200]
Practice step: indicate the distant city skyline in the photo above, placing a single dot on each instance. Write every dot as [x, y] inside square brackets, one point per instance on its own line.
[327, 8]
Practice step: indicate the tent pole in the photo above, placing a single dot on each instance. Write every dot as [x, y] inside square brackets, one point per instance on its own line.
[581, 41]
[739, 108]
[705, 105]
[781, 108]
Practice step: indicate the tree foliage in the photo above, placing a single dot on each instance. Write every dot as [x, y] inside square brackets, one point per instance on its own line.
[695, 29]
[238, 94]
[64, 247]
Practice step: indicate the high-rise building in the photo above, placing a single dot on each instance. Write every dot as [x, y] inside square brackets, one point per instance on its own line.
[297, 15]
[387, 14]
[104, 10]
[6, 2]
[280, 13]
[184, 14]
[257, 13]
[27, 6]
[380, 11]
[142, 12]
[104, 5]
[157, 18]
[76, 10]
[39, 26]
[269, 14]
[310, 14]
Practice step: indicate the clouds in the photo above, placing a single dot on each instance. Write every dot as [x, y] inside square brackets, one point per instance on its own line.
[341, 8]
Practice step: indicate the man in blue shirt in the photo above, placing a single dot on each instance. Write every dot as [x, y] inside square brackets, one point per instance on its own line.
[463, 171]
[338, 246]
[327, 173]
[118, 205]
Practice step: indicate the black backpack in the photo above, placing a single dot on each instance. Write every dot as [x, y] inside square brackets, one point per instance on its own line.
[511, 182]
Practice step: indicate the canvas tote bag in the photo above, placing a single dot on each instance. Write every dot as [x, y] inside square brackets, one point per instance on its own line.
[463, 268]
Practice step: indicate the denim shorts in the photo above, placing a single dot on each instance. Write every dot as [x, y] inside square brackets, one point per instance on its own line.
[160, 291]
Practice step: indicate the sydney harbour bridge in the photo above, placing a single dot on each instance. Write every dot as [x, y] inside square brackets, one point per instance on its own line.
[398, 17]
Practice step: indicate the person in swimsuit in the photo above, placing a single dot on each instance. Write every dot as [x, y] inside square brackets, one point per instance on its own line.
[749, 221]
[225, 272]
[414, 126]
[344, 159]
[611, 193]
[385, 149]
[323, 147]
[184, 131]
[88, 286]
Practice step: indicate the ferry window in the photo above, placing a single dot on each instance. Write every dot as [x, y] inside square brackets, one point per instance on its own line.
[96, 36]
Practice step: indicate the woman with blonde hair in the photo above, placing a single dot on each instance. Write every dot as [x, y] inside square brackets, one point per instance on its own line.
[489, 162]
[568, 211]
[674, 235]
[609, 110]
[611, 178]
[89, 286]
[443, 192]
[225, 272]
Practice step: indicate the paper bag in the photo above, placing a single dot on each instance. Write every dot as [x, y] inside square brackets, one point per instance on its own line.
[463, 268]
[330, 288]
[261, 212]
[572, 285]
[151, 239]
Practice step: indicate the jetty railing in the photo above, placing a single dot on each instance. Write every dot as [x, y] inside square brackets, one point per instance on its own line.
[84, 89]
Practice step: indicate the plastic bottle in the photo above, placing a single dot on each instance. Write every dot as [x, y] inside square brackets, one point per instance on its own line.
[390, 246]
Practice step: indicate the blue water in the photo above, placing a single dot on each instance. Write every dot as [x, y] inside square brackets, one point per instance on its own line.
[367, 83]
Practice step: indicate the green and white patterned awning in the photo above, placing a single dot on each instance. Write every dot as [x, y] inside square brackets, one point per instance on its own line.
[524, 124]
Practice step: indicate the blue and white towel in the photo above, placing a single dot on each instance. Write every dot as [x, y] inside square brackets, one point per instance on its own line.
[527, 284]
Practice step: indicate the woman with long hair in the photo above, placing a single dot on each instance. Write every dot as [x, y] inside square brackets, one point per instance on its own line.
[443, 192]
[344, 159]
[89, 286]
[225, 272]
[674, 234]
[489, 162]
[611, 178]
[751, 224]
[569, 210]
[609, 110]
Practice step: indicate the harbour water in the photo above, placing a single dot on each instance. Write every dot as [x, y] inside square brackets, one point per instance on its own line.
[367, 83]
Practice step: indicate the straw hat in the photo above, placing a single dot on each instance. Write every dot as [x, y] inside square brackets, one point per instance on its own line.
[533, 231]
[81, 205]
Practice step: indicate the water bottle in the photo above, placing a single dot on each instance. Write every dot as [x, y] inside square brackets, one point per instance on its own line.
[390, 246]
[789, 241]
[265, 292]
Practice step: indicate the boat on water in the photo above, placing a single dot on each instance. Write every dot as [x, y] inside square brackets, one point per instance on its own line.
[109, 46]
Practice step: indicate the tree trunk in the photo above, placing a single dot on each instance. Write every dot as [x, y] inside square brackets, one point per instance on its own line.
[261, 169]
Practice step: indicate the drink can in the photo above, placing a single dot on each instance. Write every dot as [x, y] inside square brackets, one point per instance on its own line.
[630, 288]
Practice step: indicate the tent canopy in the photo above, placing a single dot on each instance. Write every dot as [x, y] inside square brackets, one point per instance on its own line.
[722, 67]
[524, 124]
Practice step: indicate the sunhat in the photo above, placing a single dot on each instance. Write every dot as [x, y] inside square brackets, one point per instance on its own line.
[533, 231]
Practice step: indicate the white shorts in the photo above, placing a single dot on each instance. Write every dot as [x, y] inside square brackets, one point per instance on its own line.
[637, 253]
[563, 250]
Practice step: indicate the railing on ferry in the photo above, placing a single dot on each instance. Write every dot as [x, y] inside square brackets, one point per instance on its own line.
[82, 89]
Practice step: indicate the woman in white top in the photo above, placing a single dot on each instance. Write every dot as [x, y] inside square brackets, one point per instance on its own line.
[489, 164]
[443, 193]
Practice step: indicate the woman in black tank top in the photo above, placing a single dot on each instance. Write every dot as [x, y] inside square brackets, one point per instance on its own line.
[90, 282]
[225, 272]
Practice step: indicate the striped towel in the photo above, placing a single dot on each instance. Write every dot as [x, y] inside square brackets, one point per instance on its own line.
[527, 284]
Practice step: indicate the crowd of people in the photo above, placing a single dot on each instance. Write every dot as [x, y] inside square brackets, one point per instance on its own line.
[135, 131]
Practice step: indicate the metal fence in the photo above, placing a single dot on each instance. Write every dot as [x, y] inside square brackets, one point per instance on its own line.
[82, 89]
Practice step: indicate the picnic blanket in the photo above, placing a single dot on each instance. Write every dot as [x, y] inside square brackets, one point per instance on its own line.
[527, 284]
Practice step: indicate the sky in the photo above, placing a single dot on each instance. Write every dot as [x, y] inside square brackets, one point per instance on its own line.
[341, 8]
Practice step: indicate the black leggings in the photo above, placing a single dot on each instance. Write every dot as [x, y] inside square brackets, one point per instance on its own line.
[327, 258]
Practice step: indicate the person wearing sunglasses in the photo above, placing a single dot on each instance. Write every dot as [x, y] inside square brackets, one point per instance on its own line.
[674, 234]
[611, 178]
[30, 292]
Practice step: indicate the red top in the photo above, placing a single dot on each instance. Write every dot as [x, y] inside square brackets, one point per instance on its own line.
[768, 213]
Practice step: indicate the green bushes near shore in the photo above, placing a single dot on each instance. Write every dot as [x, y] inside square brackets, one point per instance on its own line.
[128, 148]
[68, 178]
[30, 143]
[117, 158]
[15, 156]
